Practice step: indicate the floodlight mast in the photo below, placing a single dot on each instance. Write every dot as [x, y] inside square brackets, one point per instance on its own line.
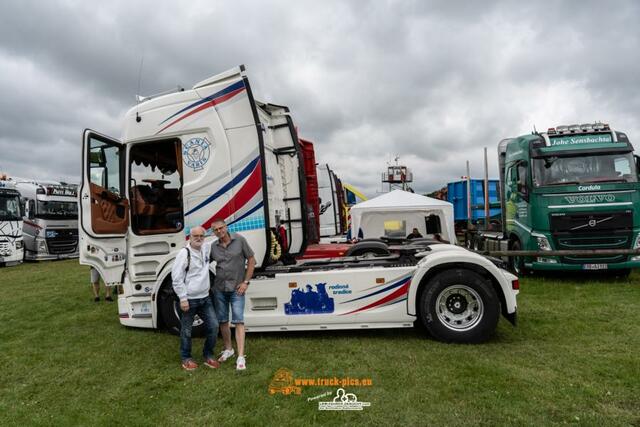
[397, 176]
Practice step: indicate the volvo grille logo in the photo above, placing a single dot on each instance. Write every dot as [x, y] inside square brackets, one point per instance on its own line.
[592, 223]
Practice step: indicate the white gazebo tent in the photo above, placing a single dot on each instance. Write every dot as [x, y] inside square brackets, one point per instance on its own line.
[397, 213]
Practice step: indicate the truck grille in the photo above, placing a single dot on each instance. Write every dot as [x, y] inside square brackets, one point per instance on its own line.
[62, 241]
[588, 230]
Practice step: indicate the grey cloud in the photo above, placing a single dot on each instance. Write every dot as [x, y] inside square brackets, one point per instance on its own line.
[430, 81]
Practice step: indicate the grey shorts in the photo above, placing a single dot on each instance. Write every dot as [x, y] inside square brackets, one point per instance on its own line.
[95, 276]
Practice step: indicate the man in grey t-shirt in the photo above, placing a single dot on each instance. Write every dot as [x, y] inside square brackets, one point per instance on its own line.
[234, 267]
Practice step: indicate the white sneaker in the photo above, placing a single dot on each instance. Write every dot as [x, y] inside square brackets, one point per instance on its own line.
[241, 364]
[225, 355]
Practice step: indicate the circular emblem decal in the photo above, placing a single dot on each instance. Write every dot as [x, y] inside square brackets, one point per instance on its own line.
[195, 153]
[592, 223]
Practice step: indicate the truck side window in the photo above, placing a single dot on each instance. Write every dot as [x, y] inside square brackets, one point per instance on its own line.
[512, 179]
[104, 166]
[522, 180]
[32, 208]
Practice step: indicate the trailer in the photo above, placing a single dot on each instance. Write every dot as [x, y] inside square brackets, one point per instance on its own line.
[569, 201]
[11, 240]
[468, 198]
[214, 152]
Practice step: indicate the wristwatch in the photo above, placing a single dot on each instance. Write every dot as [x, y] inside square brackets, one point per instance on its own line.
[247, 282]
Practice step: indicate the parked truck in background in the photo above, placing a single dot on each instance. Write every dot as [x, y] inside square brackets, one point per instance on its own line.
[333, 221]
[239, 160]
[313, 198]
[51, 219]
[11, 240]
[571, 189]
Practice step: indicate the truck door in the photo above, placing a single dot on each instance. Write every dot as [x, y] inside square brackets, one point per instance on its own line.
[104, 210]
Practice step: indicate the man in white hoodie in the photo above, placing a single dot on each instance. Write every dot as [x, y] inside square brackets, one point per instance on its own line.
[190, 275]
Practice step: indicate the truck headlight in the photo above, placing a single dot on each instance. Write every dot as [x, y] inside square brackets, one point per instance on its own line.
[636, 245]
[543, 243]
[19, 244]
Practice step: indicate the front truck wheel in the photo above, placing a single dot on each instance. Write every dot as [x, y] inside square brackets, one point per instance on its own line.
[169, 309]
[459, 305]
[516, 263]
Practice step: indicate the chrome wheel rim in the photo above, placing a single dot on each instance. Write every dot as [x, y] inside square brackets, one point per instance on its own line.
[459, 308]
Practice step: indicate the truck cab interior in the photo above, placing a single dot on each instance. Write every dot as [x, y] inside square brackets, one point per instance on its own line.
[155, 190]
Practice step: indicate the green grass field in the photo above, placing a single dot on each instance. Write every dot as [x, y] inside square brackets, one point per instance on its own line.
[573, 359]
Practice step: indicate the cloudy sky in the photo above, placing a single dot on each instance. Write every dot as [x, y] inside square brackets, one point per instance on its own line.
[432, 82]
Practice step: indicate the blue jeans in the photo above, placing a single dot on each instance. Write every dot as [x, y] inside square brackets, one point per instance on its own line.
[203, 307]
[223, 299]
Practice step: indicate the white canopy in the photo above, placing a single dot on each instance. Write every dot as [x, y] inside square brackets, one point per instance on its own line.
[397, 213]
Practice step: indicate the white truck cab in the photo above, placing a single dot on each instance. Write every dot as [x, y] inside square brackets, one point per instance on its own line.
[11, 241]
[213, 152]
[51, 219]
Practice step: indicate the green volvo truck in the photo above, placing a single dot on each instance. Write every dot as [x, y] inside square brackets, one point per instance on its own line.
[569, 196]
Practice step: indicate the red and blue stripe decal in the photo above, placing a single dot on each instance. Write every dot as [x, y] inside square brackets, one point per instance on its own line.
[208, 102]
[400, 290]
[253, 184]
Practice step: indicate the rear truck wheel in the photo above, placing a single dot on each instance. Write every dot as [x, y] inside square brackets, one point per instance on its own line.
[516, 263]
[459, 305]
[169, 309]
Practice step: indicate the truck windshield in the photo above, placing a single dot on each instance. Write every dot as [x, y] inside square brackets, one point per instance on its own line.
[57, 210]
[10, 207]
[584, 169]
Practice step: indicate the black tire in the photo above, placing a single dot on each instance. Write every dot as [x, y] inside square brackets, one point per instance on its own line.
[368, 249]
[459, 305]
[169, 309]
[622, 273]
[516, 263]
[370, 253]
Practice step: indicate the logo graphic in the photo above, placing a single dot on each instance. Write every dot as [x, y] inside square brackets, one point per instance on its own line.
[310, 302]
[282, 382]
[592, 198]
[195, 153]
[588, 188]
[343, 401]
[580, 139]
[592, 223]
